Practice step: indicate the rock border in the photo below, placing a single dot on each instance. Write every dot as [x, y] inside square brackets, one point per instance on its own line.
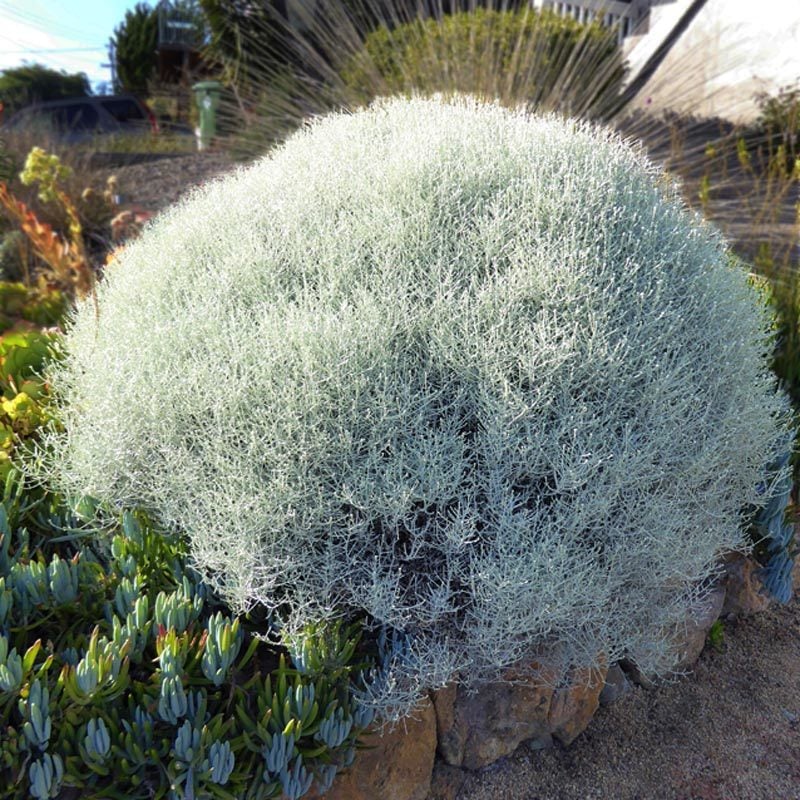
[453, 731]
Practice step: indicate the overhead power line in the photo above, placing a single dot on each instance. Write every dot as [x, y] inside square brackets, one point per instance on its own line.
[100, 48]
[43, 23]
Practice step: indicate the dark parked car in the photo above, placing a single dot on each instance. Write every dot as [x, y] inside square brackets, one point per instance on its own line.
[84, 118]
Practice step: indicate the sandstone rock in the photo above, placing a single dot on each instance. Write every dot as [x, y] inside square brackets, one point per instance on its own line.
[478, 728]
[616, 686]
[744, 591]
[395, 765]
[574, 705]
[691, 638]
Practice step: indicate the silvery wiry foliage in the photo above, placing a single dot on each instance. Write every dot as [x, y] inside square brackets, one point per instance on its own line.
[476, 374]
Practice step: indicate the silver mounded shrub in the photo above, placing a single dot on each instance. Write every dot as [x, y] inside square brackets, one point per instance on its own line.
[475, 374]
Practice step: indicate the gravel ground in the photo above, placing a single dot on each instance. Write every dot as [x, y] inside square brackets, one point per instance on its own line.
[729, 731]
[155, 184]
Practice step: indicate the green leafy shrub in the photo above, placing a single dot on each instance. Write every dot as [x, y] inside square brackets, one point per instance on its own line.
[13, 261]
[7, 163]
[39, 305]
[538, 58]
[749, 188]
[779, 123]
[23, 391]
[475, 374]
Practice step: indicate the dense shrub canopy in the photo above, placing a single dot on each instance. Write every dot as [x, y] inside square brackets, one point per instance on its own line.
[475, 374]
[35, 83]
[539, 58]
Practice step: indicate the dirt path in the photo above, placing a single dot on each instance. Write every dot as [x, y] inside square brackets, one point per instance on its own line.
[730, 731]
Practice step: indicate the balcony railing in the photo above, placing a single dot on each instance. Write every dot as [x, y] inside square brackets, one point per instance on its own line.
[178, 28]
[610, 13]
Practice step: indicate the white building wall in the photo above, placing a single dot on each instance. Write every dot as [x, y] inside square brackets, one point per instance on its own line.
[732, 50]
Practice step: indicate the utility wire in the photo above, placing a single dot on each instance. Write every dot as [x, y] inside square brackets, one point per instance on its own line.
[41, 23]
[57, 50]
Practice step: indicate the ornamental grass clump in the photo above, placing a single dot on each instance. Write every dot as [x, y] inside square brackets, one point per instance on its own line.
[474, 375]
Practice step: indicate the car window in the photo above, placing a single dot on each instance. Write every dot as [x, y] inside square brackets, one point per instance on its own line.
[75, 117]
[123, 110]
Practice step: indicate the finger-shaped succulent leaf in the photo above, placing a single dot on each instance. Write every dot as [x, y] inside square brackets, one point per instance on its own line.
[45, 775]
[197, 708]
[29, 659]
[222, 647]
[63, 579]
[295, 780]
[278, 753]
[363, 714]
[221, 762]
[119, 548]
[87, 675]
[11, 670]
[187, 745]
[119, 632]
[323, 647]
[178, 609]
[141, 613]
[97, 740]
[172, 702]
[29, 584]
[69, 655]
[348, 757]
[5, 542]
[6, 602]
[300, 703]
[334, 730]
[102, 668]
[326, 773]
[127, 593]
[171, 653]
[138, 732]
[35, 710]
[131, 527]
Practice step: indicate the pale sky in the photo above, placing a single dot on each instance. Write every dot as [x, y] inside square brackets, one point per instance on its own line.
[71, 35]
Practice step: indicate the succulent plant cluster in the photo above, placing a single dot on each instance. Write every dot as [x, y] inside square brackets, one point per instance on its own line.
[31, 305]
[773, 529]
[22, 389]
[122, 676]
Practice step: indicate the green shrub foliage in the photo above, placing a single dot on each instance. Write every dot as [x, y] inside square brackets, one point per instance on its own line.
[539, 58]
[475, 374]
[779, 123]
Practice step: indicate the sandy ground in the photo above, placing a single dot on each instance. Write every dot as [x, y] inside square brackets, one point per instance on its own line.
[729, 731]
